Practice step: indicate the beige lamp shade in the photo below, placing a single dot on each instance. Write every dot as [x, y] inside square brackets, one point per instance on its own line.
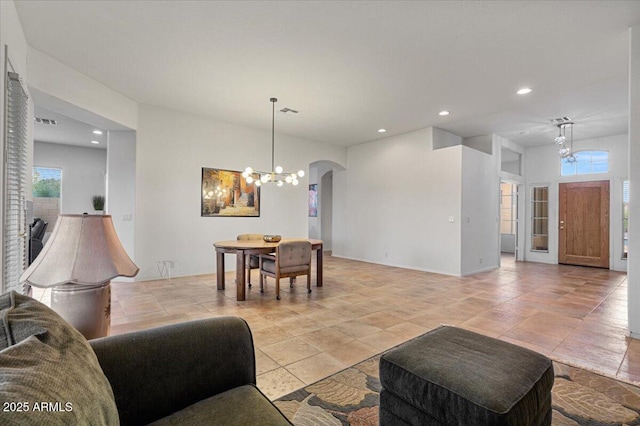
[82, 249]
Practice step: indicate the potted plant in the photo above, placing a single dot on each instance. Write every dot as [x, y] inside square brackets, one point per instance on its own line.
[98, 202]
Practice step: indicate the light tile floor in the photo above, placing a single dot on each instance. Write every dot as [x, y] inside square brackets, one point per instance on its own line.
[572, 314]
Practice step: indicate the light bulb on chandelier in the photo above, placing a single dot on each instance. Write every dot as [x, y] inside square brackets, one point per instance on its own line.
[561, 138]
[277, 174]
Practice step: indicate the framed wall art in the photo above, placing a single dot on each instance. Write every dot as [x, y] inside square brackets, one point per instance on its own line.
[313, 200]
[225, 193]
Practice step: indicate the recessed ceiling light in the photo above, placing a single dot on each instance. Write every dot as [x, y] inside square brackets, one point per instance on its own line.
[95, 142]
[523, 91]
[97, 132]
[382, 130]
[443, 113]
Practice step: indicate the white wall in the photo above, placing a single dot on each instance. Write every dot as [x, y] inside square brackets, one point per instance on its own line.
[171, 149]
[482, 143]
[634, 182]
[121, 185]
[507, 243]
[542, 166]
[325, 203]
[83, 173]
[167, 233]
[511, 167]
[316, 171]
[94, 101]
[12, 36]
[56, 79]
[392, 204]
[321, 227]
[480, 203]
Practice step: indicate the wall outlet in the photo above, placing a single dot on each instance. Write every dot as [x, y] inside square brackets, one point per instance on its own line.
[481, 260]
[172, 264]
[452, 219]
[386, 254]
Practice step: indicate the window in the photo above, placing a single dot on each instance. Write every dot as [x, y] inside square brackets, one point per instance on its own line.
[588, 162]
[46, 193]
[14, 183]
[540, 218]
[46, 182]
[508, 208]
[625, 219]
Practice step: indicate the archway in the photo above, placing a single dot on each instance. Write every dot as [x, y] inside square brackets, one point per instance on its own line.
[321, 181]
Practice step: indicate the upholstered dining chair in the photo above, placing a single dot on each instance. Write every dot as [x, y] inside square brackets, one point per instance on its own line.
[293, 258]
[253, 261]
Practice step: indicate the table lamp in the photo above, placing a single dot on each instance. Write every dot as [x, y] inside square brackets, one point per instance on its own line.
[78, 262]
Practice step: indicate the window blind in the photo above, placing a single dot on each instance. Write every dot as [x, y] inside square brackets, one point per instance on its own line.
[15, 166]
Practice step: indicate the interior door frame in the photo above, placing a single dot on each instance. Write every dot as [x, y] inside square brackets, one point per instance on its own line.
[605, 220]
[518, 211]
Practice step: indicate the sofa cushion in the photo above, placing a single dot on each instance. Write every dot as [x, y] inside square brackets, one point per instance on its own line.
[48, 372]
[461, 377]
[38, 229]
[270, 266]
[224, 409]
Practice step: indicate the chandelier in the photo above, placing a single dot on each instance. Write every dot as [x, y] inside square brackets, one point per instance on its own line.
[277, 175]
[566, 146]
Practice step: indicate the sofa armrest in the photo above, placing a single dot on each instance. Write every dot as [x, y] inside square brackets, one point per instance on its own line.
[162, 370]
[35, 247]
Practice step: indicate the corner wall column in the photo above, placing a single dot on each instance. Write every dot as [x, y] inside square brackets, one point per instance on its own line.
[633, 265]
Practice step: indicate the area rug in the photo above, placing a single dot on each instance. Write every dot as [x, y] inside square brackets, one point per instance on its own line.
[351, 397]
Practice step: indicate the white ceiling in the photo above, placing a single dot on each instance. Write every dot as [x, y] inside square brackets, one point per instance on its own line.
[67, 131]
[74, 126]
[352, 67]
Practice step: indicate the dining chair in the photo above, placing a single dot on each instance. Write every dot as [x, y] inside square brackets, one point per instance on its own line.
[252, 261]
[293, 258]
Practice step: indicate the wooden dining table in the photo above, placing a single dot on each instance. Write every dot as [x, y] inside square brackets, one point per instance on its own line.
[244, 248]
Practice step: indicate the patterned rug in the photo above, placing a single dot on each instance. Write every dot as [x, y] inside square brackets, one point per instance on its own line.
[351, 397]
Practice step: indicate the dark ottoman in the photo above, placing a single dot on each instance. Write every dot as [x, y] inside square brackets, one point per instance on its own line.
[452, 376]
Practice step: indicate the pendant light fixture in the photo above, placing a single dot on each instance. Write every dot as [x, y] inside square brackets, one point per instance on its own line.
[277, 175]
[560, 139]
[565, 152]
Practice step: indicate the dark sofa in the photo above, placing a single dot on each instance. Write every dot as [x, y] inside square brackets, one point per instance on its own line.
[198, 373]
[37, 231]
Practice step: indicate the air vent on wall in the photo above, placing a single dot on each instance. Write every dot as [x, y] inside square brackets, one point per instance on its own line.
[47, 121]
[560, 120]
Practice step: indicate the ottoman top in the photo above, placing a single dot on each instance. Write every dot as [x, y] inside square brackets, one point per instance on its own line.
[476, 374]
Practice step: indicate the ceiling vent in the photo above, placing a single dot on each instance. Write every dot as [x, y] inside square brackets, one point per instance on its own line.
[560, 120]
[288, 110]
[46, 121]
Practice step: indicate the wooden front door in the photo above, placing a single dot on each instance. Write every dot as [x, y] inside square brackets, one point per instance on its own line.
[584, 224]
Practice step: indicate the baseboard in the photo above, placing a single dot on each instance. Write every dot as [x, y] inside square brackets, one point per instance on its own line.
[489, 268]
[412, 268]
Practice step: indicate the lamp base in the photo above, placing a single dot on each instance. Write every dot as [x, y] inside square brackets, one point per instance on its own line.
[86, 307]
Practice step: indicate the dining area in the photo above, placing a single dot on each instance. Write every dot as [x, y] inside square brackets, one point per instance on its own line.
[273, 256]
